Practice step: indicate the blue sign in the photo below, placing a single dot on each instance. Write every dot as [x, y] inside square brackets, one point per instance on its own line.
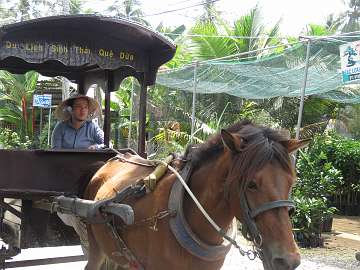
[43, 101]
[350, 61]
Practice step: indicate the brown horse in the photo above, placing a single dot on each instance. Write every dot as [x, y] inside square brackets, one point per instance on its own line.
[244, 172]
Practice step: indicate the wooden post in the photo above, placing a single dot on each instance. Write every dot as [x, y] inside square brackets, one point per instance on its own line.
[108, 90]
[142, 118]
[81, 86]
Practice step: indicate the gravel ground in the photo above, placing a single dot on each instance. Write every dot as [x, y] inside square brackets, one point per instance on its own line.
[314, 259]
[310, 261]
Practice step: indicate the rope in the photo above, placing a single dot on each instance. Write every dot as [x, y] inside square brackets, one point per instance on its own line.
[251, 254]
[202, 210]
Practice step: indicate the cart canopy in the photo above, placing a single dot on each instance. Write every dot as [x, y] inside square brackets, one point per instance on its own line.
[82, 47]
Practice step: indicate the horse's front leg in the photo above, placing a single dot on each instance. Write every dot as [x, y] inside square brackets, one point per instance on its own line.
[96, 257]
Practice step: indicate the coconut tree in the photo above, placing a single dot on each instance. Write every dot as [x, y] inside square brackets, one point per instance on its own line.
[15, 96]
[251, 25]
[218, 38]
[129, 9]
[210, 12]
[350, 19]
[182, 55]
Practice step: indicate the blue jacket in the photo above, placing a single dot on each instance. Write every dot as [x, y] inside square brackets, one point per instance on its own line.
[65, 136]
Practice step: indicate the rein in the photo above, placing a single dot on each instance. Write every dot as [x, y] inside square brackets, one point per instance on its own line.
[251, 254]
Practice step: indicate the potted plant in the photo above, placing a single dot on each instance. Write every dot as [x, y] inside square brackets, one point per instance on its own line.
[308, 220]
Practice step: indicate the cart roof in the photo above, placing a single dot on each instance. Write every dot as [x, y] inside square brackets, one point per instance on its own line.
[82, 47]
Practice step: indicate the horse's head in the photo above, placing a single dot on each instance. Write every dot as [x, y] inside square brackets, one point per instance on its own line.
[259, 183]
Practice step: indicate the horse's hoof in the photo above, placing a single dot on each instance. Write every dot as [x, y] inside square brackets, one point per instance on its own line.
[357, 255]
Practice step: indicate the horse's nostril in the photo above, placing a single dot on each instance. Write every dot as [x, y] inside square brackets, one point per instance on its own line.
[280, 264]
[288, 262]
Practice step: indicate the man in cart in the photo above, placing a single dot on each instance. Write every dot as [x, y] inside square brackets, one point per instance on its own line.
[76, 130]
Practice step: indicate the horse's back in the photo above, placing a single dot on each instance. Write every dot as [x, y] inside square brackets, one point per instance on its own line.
[149, 238]
[114, 176]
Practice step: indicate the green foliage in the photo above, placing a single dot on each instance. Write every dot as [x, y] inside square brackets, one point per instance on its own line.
[328, 169]
[164, 149]
[318, 180]
[317, 177]
[15, 96]
[353, 121]
[344, 154]
[43, 138]
[319, 30]
[11, 140]
[285, 110]
[129, 9]
[216, 38]
[308, 218]
[76, 7]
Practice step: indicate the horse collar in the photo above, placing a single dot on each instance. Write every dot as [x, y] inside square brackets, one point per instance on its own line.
[182, 231]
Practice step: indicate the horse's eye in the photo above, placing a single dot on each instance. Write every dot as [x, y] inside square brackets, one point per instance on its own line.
[252, 185]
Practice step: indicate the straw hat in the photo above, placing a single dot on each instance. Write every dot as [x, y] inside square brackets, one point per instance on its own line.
[63, 112]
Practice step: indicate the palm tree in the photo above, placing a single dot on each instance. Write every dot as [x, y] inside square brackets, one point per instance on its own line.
[250, 25]
[210, 13]
[348, 21]
[218, 39]
[350, 18]
[182, 55]
[205, 47]
[76, 7]
[15, 94]
[129, 9]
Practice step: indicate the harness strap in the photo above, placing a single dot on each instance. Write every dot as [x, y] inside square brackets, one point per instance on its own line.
[124, 251]
[140, 161]
[182, 231]
[270, 205]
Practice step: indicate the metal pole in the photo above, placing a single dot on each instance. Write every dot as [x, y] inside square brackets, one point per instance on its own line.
[194, 103]
[49, 126]
[131, 112]
[303, 90]
[41, 120]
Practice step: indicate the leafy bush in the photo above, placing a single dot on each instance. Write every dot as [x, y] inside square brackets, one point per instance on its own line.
[318, 180]
[329, 158]
[344, 153]
[317, 177]
[11, 140]
[308, 218]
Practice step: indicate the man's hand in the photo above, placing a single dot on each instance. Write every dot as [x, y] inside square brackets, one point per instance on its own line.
[92, 147]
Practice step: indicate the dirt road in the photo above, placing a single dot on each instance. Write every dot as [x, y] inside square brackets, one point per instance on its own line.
[338, 254]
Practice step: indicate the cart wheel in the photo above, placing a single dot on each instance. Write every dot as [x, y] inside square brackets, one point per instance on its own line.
[357, 255]
[8, 245]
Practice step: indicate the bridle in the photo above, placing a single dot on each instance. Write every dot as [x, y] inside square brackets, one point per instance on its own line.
[249, 229]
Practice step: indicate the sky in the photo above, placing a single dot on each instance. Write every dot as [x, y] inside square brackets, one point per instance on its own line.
[295, 14]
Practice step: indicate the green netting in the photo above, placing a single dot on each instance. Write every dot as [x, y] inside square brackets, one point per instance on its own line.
[271, 76]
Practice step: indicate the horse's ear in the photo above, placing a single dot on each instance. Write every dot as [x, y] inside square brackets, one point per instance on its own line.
[293, 144]
[231, 141]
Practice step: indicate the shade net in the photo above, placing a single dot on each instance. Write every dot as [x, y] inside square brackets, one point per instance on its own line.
[271, 74]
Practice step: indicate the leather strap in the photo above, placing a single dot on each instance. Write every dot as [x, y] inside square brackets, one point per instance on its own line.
[182, 231]
[270, 205]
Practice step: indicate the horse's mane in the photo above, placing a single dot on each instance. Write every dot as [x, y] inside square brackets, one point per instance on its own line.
[261, 146]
